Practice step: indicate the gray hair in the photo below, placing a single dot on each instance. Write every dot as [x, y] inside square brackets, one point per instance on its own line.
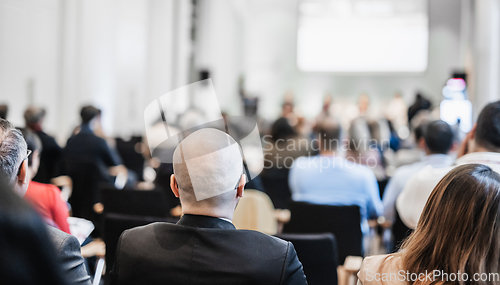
[12, 150]
[33, 115]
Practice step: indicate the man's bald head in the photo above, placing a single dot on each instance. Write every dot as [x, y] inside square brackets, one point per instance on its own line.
[208, 166]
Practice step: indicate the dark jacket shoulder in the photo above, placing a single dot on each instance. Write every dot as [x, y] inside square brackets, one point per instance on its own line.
[181, 254]
[68, 253]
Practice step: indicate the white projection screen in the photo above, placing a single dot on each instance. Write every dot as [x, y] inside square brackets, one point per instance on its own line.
[362, 36]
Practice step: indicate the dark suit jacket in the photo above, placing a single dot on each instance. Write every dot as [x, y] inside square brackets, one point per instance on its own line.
[69, 256]
[203, 250]
[87, 147]
[49, 158]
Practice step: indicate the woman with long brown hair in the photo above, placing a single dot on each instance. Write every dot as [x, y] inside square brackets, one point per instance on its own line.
[457, 239]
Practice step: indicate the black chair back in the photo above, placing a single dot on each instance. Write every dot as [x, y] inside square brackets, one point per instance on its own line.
[86, 178]
[342, 221]
[115, 225]
[162, 182]
[318, 254]
[399, 232]
[132, 159]
[134, 202]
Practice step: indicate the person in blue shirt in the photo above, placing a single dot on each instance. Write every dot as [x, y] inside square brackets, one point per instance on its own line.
[437, 141]
[329, 179]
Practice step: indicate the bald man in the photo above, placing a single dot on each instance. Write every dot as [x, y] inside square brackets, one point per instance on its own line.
[204, 247]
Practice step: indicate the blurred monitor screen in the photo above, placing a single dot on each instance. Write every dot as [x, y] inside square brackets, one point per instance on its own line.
[457, 112]
[362, 36]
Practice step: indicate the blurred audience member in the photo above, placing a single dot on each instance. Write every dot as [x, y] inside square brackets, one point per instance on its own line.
[421, 103]
[285, 146]
[86, 147]
[288, 109]
[363, 104]
[45, 198]
[14, 167]
[50, 151]
[438, 140]
[329, 179]
[458, 234]
[279, 153]
[163, 253]
[482, 145]
[413, 148]
[325, 110]
[363, 147]
[28, 255]
[397, 111]
[4, 110]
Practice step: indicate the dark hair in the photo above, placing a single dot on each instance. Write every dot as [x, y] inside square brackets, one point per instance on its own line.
[281, 129]
[420, 131]
[28, 255]
[32, 141]
[459, 228]
[488, 127]
[421, 103]
[438, 137]
[4, 110]
[88, 113]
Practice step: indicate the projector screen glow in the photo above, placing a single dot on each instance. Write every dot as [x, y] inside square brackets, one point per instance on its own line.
[362, 36]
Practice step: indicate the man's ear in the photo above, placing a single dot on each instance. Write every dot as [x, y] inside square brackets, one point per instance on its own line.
[472, 133]
[22, 178]
[421, 143]
[241, 186]
[174, 185]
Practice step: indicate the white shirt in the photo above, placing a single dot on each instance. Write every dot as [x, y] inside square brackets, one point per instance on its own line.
[417, 190]
[403, 174]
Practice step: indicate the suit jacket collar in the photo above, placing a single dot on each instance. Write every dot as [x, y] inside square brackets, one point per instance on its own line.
[199, 221]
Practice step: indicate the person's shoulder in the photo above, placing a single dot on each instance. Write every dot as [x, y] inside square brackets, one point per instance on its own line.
[379, 269]
[150, 232]
[60, 239]
[407, 170]
[376, 261]
[303, 161]
[360, 169]
[264, 242]
[44, 136]
[159, 228]
[146, 229]
[427, 175]
[408, 167]
[259, 235]
[45, 186]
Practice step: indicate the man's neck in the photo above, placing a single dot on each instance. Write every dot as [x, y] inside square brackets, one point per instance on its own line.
[225, 215]
[480, 149]
[427, 153]
[327, 153]
[86, 127]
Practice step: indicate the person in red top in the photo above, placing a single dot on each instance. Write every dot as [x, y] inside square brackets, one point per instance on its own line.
[45, 198]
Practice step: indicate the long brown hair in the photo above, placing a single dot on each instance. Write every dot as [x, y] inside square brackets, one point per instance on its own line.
[459, 229]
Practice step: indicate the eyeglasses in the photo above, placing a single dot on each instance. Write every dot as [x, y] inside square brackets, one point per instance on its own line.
[27, 155]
